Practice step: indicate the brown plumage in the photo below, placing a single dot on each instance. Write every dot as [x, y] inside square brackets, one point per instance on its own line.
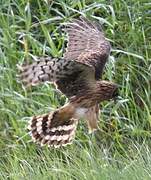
[87, 44]
[77, 76]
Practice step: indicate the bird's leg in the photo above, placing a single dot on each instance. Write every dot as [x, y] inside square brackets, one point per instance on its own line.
[92, 117]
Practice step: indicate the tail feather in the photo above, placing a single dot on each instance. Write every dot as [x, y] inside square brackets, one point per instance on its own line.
[43, 131]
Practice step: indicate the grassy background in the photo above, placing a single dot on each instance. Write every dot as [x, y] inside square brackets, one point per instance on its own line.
[121, 149]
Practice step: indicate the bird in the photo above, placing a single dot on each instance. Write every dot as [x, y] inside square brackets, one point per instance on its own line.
[78, 75]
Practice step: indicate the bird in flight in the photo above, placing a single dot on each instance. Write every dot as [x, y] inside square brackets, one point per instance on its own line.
[77, 75]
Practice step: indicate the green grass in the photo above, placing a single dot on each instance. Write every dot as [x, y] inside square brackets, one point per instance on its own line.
[121, 149]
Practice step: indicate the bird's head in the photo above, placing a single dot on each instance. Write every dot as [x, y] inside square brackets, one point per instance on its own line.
[101, 91]
[107, 90]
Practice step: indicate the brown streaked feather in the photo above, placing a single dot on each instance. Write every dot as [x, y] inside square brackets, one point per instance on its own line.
[101, 91]
[87, 44]
[79, 80]
[69, 76]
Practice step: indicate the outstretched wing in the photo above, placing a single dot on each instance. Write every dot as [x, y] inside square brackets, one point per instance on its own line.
[83, 62]
[87, 44]
[70, 76]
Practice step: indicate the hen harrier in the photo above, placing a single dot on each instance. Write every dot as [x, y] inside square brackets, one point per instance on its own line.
[76, 75]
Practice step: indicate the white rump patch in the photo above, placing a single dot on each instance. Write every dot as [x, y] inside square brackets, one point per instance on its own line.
[80, 112]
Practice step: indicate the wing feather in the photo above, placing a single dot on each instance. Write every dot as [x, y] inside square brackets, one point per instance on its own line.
[87, 44]
[82, 64]
[69, 76]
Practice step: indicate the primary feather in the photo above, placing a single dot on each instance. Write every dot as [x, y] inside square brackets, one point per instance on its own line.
[69, 76]
[87, 44]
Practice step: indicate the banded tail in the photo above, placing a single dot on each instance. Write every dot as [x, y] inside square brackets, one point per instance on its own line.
[55, 129]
